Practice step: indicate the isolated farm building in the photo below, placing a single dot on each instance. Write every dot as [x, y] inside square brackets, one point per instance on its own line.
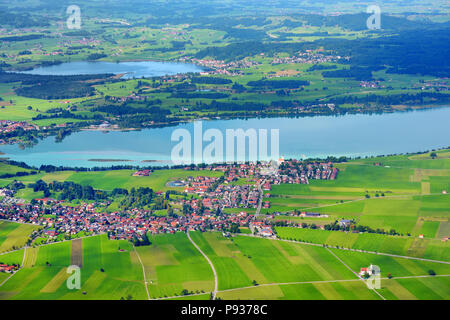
[344, 223]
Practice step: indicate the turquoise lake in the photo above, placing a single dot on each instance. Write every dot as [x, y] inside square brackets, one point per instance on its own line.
[130, 69]
[350, 135]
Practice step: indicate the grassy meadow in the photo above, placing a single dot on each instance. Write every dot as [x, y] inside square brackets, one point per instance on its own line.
[404, 193]
[247, 268]
[14, 235]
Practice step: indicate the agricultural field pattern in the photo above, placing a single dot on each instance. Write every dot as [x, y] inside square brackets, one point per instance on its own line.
[224, 150]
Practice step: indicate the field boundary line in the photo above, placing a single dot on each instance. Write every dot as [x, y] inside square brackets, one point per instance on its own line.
[303, 282]
[26, 223]
[21, 266]
[348, 249]
[214, 293]
[340, 260]
[385, 197]
[176, 297]
[143, 271]
[49, 244]
[1, 284]
[24, 257]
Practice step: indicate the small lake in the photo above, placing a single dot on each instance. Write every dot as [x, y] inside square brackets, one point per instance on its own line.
[130, 69]
[350, 135]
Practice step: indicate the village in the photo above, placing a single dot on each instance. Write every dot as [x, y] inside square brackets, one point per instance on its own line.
[310, 57]
[204, 204]
[220, 67]
[7, 127]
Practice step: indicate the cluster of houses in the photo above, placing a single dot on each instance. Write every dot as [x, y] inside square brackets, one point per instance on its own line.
[229, 195]
[371, 270]
[8, 268]
[7, 197]
[221, 67]
[209, 196]
[239, 171]
[142, 173]
[298, 172]
[221, 195]
[7, 126]
[59, 219]
[262, 229]
[303, 214]
[131, 97]
[309, 56]
[312, 107]
[4, 192]
[438, 85]
[199, 185]
[370, 84]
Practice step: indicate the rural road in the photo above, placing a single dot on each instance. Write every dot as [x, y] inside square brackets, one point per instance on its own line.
[210, 263]
[357, 275]
[307, 282]
[143, 271]
[261, 196]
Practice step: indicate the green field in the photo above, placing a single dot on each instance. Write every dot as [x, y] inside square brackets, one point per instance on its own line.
[108, 180]
[406, 246]
[14, 235]
[405, 193]
[172, 264]
[121, 276]
[247, 268]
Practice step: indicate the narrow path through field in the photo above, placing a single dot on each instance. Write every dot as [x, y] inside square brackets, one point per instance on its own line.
[373, 289]
[214, 293]
[143, 271]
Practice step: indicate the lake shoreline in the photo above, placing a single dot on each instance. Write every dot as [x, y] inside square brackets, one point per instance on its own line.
[353, 135]
[396, 109]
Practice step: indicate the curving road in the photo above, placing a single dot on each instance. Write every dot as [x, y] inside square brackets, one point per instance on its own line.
[261, 196]
[214, 293]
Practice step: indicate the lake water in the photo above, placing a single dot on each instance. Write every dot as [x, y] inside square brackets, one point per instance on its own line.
[350, 135]
[131, 69]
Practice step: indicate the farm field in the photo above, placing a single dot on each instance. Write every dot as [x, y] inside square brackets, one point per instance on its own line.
[406, 246]
[14, 235]
[392, 289]
[352, 290]
[44, 273]
[94, 95]
[404, 193]
[247, 268]
[172, 264]
[108, 180]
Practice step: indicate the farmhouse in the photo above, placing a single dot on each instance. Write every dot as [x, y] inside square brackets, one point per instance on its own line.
[142, 173]
[7, 268]
[370, 270]
[344, 223]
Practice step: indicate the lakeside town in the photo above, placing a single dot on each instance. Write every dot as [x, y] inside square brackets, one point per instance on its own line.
[202, 205]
